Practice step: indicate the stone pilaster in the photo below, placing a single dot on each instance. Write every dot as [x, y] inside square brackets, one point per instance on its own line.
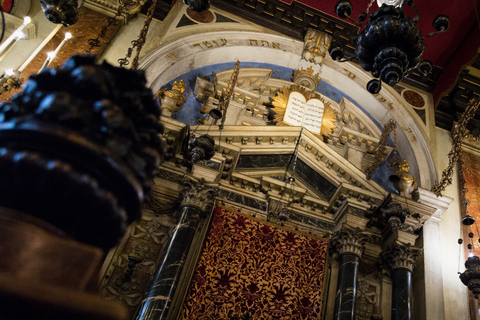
[401, 260]
[196, 201]
[348, 244]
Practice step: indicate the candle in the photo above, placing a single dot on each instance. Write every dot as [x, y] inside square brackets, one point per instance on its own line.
[16, 35]
[50, 56]
[68, 35]
[39, 48]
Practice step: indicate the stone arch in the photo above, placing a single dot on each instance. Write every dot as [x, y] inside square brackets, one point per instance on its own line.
[190, 52]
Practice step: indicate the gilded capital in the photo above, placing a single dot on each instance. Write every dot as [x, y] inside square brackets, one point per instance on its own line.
[348, 240]
[198, 194]
[401, 256]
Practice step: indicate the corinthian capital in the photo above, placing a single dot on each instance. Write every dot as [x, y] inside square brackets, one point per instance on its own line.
[400, 256]
[198, 194]
[348, 240]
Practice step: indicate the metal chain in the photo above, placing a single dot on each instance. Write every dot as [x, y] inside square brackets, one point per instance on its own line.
[228, 93]
[380, 152]
[138, 44]
[112, 21]
[464, 190]
[458, 133]
[296, 152]
[394, 163]
[416, 19]
[369, 5]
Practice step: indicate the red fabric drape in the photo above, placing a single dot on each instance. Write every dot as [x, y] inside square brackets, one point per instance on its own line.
[248, 266]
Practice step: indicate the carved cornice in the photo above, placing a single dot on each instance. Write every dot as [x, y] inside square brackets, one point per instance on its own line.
[295, 19]
[131, 7]
[198, 194]
[400, 256]
[347, 240]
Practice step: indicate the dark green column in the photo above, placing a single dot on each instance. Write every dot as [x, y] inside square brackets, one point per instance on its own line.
[401, 259]
[348, 245]
[196, 202]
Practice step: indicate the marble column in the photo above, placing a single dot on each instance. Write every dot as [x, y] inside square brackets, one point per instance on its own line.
[196, 201]
[348, 244]
[401, 259]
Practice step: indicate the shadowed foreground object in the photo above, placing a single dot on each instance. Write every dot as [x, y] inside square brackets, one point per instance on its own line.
[78, 147]
[390, 44]
[61, 11]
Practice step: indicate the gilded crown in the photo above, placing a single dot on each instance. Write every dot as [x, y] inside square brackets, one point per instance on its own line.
[307, 78]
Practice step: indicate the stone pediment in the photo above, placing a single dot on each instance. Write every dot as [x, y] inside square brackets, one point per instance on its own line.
[355, 136]
[254, 159]
[260, 152]
[252, 164]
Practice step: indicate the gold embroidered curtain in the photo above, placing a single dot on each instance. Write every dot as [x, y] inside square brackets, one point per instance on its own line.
[250, 267]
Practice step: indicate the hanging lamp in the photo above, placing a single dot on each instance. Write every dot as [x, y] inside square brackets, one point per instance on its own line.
[390, 44]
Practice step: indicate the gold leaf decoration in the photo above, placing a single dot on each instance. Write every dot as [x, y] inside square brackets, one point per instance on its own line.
[280, 105]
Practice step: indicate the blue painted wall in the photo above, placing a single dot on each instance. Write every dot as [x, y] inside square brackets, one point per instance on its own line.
[190, 113]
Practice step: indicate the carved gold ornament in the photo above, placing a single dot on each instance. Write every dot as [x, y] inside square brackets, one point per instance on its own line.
[458, 133]
[307, 78]
[280, 102]
[177, 91]
[179, 86]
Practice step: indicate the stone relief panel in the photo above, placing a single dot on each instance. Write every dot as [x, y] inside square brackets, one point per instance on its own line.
[134, 263]
[131, 7]
[367, 300]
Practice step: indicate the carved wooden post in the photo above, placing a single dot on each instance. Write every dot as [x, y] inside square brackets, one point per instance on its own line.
[78, 147]
[348, 244]
[196, 201]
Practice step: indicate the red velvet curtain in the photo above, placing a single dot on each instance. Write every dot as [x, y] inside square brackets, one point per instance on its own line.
[250, 267]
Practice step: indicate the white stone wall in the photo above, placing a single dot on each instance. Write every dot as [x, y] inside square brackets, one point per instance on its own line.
[24, 48]
[119, 45]
[455, 293]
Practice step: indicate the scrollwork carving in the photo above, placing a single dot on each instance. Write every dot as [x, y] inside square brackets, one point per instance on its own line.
[198, 194]
[348, 240]
[400, 256]
[133, 266]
